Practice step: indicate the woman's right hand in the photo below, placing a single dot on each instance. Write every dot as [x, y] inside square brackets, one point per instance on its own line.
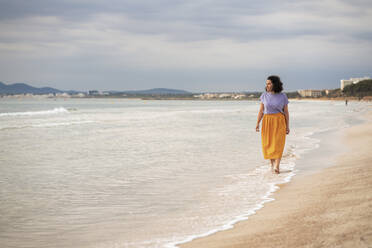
[257, 127]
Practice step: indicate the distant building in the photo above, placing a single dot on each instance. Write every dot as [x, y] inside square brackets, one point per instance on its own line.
[225, 95]
[62, 95]
[207, 96]
[80, 95]
[241, 96]
[220, 96]
[310, 93]
[346, 82]
[93, 92]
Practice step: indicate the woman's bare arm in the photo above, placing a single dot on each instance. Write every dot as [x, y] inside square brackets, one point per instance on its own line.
[259, 117]
[286, 114]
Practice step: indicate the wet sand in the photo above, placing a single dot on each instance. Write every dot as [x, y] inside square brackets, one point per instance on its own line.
[330, 208]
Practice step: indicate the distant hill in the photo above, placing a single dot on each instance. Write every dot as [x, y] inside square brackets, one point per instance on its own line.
[361, 89]
[21, 88]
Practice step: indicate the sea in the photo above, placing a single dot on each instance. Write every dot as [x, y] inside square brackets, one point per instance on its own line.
[131, 173]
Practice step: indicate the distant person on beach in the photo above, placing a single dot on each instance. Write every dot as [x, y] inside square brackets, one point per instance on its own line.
[346, 102]
[275, 123]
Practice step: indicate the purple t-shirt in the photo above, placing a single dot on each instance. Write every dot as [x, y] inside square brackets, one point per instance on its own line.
[274, 103]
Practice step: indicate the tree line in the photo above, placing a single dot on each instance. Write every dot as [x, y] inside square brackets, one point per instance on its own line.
[361, 89]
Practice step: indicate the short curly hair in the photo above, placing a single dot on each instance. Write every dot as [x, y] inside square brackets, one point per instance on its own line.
[277, 83]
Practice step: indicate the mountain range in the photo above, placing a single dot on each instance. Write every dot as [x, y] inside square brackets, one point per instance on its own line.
[22, 88]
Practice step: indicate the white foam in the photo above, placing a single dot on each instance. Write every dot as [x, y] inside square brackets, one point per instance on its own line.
[56, 124]
[266, 198]
[30, 113]
[49, 124]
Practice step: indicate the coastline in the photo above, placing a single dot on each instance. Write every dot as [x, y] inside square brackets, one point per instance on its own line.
[176, 98]
[329, 208]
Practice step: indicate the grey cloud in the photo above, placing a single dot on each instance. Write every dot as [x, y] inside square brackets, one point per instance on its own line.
[189, 20]
[80, 48]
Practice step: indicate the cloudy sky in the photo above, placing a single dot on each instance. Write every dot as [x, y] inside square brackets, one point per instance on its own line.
[195, 45]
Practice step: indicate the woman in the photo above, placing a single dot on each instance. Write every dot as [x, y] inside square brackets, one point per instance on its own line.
[275, 124]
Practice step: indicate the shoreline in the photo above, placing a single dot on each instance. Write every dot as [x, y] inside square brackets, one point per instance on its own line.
[331, 207]
[187, 98]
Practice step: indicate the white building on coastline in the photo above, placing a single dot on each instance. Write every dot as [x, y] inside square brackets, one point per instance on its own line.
[310, 93]
[220, 96]
[346, 82]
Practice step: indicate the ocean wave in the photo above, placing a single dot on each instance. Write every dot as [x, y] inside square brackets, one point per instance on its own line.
[30, 113]
[51, 124]
[61, 124]
[260, 174]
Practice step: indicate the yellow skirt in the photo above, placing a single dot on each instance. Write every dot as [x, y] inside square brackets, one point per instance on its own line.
[273, 134]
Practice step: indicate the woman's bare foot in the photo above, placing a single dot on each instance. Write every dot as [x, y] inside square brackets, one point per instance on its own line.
[276, 167]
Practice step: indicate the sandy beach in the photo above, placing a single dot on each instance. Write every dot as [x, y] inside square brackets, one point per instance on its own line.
[330, 208]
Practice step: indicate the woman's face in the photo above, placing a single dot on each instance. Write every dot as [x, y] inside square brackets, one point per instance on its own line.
[269, 86]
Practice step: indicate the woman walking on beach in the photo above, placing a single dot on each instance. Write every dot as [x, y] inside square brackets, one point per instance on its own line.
[275, 123]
